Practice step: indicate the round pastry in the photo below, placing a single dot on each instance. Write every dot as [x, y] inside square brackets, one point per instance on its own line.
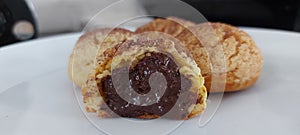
[82, 59]
[148, 76]
[244, 60]
[232, 52]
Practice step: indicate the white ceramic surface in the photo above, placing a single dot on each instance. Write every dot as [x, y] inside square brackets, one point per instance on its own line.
[37, 98]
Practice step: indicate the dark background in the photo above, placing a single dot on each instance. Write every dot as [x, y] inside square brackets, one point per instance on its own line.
[279, 14]
[276, 14]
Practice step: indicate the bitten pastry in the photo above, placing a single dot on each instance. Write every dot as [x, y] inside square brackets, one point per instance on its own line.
[82, 59]
[242, 60]
[154, 72]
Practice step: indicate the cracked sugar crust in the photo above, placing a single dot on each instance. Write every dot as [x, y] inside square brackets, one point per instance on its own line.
[183, 22]
[171, 25]
[242, 58]
[82, 59]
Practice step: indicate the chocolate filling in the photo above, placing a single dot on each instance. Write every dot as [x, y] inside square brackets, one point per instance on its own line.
[177, 87]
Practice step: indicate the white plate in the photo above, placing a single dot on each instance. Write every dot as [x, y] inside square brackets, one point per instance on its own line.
[36, 96]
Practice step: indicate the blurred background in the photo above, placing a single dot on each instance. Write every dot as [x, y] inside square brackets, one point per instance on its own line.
[22, 20]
